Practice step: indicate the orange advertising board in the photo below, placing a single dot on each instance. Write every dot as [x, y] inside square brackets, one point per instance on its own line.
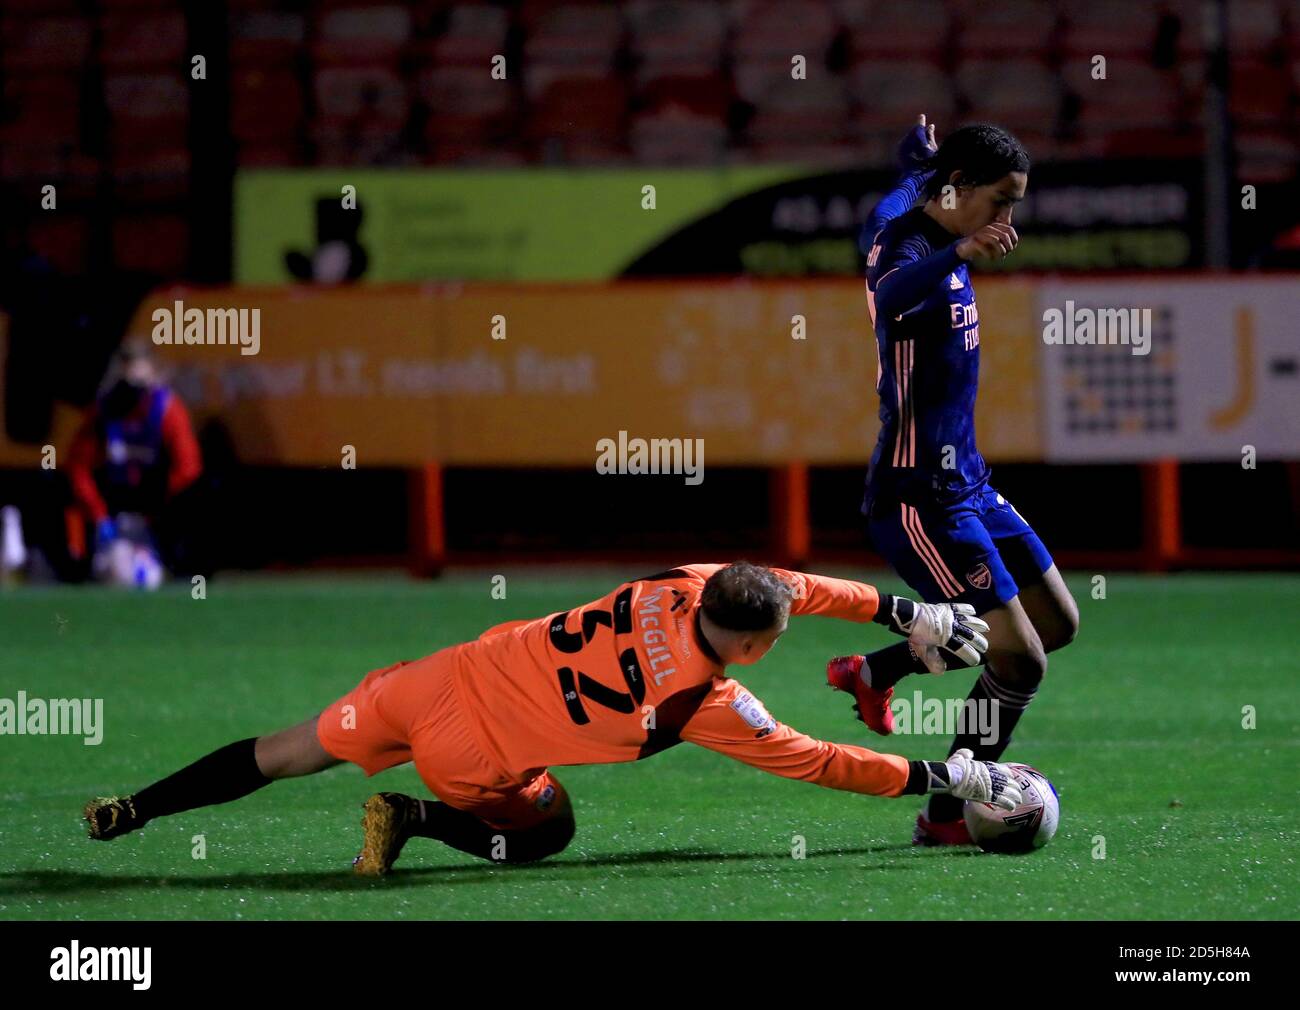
[763, 372]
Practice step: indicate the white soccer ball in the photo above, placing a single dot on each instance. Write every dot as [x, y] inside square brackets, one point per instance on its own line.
[129, 565]
[1030, 826]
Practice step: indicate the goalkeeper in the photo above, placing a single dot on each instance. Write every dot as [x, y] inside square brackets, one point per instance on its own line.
[618, 679]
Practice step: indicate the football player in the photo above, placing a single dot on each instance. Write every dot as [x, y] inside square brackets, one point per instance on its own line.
[931, 510]
[618, 679]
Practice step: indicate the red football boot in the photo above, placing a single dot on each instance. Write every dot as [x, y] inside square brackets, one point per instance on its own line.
[940, 832]
[844, 674]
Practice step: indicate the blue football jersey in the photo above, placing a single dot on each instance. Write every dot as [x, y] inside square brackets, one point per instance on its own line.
[929, 361]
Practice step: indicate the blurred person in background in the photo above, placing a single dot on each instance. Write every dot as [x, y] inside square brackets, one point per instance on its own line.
[133, 468]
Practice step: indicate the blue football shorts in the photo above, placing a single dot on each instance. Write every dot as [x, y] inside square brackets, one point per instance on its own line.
[978, 551]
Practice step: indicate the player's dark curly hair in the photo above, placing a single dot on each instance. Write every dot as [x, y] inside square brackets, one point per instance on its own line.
[745, 597]
[982, 153]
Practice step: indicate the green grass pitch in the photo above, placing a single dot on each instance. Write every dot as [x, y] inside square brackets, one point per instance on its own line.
[1140, 725]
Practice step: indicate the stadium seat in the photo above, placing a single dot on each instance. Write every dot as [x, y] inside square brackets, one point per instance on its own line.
[361, 36]
[675, 37]
[278, 152]
[474, 34]
[147, 101]
[1264, 157]
[575, 33]
[760, 76]
[573, 110]
[63, 239]
[710, 95]
[677, 136]
[1014, 93]
[46, 43]
[149, 173]
[264, 103]
[371, 93]
[1291, 27]
[153, 243]
[43, 110]
[889, 30]
[571, 42]
[143, 39]
[1255, 28]
[1259, 94]
[889, 92]
[801, 112]
[782, 28]
[265, 38]
[1112, 28]
[465, 103]
[1006, 28]
[1133, 95]
[39, 8]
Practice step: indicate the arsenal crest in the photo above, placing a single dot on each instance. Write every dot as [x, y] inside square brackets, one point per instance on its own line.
[980, 577]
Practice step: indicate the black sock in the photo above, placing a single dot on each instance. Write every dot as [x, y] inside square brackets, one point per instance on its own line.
[886, 667]
[1010, 703]
[467, 833]
[222, 776]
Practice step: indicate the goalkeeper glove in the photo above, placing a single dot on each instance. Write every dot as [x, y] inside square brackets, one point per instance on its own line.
[931, 627]
[978, 781]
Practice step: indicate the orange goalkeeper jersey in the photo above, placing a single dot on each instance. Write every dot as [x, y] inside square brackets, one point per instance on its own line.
[630, 674]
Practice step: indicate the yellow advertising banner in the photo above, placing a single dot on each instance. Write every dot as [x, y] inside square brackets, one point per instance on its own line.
[764, 372]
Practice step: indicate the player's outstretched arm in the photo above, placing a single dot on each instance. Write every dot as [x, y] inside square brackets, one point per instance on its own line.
[732, 721]
[913, 153]
[935, 630]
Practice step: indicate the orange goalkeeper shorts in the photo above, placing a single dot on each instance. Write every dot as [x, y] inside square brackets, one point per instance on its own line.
[411, 711]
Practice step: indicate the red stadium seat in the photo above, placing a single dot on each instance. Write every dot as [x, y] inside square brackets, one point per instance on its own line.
[263, 38]
[708, 95]
[675, 136]
[1259, 94]
[361, 36]
[156, 243]
[278, 152]
[575, 33]
[1010, 92]
[47, 43]
[782, 28]
[809, 112]
[264, 103]
[473, 36]
[466, 103]
[359, 142]
[1255, 28]
[1133, 95]
[675, 34]
[45, 109]
[147, 101]
[888, 93]
[914, 30]
[1111, 28]
[375, 94]
[1005, 28]
[143, 39]
[571, 110]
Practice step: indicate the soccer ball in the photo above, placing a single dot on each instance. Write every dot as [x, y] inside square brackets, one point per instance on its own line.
[1030, 826]
[129, 564]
